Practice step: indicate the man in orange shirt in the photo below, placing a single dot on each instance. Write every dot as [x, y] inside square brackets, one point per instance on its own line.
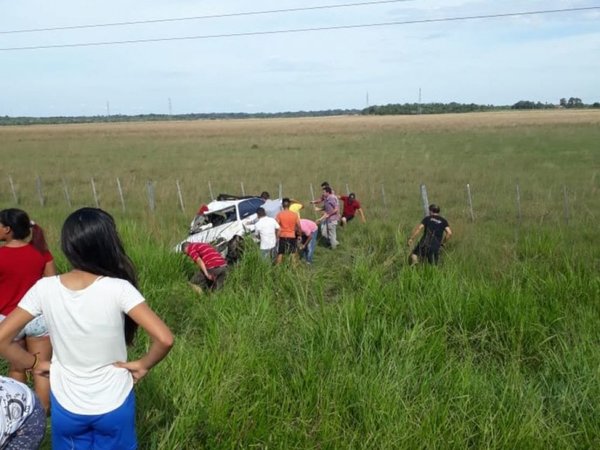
[289, 231]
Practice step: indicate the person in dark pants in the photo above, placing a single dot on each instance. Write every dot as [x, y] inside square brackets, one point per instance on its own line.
[213, 267]
[436, 232]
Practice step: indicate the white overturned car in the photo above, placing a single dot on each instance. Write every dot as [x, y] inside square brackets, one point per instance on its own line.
[221, 223]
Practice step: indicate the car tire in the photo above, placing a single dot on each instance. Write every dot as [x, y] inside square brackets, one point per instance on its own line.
[235, 249]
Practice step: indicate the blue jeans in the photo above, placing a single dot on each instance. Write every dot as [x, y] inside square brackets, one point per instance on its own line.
[309, 251]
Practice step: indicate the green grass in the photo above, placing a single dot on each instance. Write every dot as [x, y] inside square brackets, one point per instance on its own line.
[495, 348]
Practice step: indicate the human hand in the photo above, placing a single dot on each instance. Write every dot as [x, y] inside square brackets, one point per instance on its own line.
[136, 368]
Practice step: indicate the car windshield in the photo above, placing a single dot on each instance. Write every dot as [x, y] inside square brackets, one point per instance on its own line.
[249, 207]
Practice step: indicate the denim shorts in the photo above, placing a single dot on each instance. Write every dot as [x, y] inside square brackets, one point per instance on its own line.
[36, 328]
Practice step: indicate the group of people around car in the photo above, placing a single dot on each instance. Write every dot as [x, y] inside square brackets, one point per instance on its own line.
[280, 230]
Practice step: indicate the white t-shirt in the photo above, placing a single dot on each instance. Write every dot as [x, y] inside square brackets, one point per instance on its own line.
[86, 331]
[265, 229]
[16, 405]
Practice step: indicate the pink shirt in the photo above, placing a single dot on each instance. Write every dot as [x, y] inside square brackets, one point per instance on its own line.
[308, 227]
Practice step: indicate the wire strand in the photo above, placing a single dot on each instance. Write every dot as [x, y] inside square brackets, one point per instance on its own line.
[302, 30]
[212, 16]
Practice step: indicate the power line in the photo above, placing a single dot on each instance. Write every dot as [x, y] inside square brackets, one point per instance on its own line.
[213, 16]
[302, 30]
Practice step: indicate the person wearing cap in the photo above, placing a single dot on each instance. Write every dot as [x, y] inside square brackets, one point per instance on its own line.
[329, 219]
[289, 231]
[213, 267]
[351, 207]
[436, 231]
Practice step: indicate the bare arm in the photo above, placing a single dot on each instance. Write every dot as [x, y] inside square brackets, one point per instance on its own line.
[415, 233]
[202, 266]
[13, 352]
[447, 234]
[160, 335]
[362, 215]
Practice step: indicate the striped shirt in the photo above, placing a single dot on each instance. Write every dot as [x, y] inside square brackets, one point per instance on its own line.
[209, 256]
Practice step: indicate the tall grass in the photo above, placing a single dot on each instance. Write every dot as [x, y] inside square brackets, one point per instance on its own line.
[495, 348]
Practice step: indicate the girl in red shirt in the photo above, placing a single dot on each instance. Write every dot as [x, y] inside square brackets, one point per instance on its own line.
[22, 263]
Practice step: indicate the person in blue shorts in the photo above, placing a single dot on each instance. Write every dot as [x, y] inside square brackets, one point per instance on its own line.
[92, 313]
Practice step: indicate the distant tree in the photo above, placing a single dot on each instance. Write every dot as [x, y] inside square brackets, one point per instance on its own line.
[574, 102]
[596, 105]
[563, 102]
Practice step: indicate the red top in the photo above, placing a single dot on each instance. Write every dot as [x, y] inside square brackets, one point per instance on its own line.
[350, 206]
[20, 268]
[206, 252]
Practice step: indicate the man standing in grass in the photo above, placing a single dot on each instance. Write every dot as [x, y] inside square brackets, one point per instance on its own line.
[213, 267]
[330, 217]
[289, 231]
[436, 232]
[266, 230]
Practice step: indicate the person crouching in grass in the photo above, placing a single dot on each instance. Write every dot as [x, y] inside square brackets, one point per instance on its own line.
[213, 267]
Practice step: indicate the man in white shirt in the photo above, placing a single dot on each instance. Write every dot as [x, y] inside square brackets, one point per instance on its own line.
[266, 230]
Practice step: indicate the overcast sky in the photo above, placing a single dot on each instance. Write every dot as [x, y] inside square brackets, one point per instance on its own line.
[488, 61]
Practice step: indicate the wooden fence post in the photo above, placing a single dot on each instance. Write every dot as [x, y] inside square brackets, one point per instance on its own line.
[566, 204]
[13, 190]
[518, 203]
[121, 194]
[67, 195]
[242, 186]
[424, 200]
[38, 186]
[280, 190]
[347, 189]
[96, 201]
[212, 197]
[150, 192]
[383, 196]
[470, 200]
[180, 196]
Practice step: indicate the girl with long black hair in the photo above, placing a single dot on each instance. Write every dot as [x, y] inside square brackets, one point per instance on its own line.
[92, 313]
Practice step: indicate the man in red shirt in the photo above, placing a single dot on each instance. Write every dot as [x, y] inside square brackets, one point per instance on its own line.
[213, 267]
[351, 207]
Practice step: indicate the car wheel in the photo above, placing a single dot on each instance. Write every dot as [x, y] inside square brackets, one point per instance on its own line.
[235, 249]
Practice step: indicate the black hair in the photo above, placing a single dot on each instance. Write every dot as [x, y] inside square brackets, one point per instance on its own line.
[21, 227]
[327, 189]
[260, 212]
[90, 241]
[434, 208]
[324, 184]
[352, 195]
[265, 195]
[286, 202]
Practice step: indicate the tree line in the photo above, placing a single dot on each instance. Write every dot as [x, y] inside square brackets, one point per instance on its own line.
[389, 109]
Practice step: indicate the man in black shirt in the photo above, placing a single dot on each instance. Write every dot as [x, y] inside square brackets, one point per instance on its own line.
[436, 231]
